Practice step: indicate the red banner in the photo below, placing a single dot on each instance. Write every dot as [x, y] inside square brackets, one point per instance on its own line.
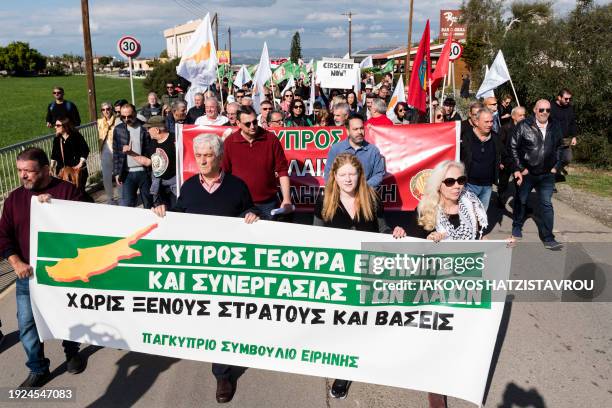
[410, 152]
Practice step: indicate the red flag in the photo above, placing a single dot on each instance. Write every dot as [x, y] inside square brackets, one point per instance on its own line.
[421, 68]
[442, 66]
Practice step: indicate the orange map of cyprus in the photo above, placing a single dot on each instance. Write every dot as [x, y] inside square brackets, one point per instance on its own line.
[97, 260]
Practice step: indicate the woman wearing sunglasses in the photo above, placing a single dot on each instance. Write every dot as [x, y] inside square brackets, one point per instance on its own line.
[448, 212]
[297, 114]
[287, 100]
[106, 125]
[69, 154]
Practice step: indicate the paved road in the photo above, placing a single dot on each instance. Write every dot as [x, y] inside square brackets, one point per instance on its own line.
[549, 354]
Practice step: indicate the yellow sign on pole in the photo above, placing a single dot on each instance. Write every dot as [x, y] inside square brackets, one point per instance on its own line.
[223, 56]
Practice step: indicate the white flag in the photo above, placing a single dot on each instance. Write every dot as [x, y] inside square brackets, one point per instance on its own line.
[366, 63]
[312, 93]
[398, 96]
[242, 77]
[498, 74]
[290, 85]
[199, 61]
[346, 56]
[264, 71]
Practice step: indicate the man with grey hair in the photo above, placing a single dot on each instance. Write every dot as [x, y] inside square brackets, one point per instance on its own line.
[231, 110]
[152, 107]
[212, 117]
[341, 114]
[535, 147]
[379, 113]
[197, 109]
[177, 116]
[246, 101]
[468, 124]
[214, 192]
[481, 151]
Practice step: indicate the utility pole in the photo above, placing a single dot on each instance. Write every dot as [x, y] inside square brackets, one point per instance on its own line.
[229, 34]
[215, 21]
[91, 85]
[350, 33]
[409, 46]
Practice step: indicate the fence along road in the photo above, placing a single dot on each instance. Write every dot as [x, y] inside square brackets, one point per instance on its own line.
[9, 179]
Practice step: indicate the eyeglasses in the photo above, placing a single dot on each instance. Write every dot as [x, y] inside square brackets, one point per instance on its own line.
[58, 125]
[449, 182]
[57, 93]
[567, 99]
[266, 109]
[542, 110]
[288, 96]
[170, 87]
[126, 117]
[252, 123]
[298, 107]
[105, 109]
[400, 111]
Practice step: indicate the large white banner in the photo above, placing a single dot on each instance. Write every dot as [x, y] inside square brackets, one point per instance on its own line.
[285, 297]
[337, 73]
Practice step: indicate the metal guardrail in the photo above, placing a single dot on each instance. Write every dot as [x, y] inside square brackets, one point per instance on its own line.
[9, 179]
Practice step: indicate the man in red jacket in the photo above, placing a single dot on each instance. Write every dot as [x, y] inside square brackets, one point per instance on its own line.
[33, 170]
[379, 113]
[256, 156]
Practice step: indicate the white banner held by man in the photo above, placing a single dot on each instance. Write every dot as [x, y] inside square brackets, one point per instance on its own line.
[275, 296]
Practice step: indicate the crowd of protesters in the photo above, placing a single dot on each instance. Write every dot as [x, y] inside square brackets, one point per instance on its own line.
[245, 173]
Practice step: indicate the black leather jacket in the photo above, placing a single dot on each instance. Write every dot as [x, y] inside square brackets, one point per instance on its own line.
[529, 150]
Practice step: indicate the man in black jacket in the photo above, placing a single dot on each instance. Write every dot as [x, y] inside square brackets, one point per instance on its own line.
[562, 112]
[62, 108]
[131, 139]
[535, 147]
[481, 152]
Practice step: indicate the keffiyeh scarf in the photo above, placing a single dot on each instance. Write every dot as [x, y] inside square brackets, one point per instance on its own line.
[472, 216]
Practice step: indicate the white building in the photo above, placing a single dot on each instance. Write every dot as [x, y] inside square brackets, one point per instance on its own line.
[178, 37]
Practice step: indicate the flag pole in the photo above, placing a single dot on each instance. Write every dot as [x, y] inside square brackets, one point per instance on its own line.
[220, 89]
[514, 90]
[430, 103]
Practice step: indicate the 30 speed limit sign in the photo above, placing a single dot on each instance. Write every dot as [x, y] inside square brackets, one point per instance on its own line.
[128, 46]
[455, 51]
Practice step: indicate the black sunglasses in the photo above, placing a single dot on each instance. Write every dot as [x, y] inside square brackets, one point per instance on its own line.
[251, 123]
[449, 182]
[126, 117]
[542, 110]
[298, 107]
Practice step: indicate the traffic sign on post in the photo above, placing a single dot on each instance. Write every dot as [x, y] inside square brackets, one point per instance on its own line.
[129, 47]
[455, 51]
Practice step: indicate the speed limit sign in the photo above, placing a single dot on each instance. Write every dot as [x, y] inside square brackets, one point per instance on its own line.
[455, 51]
[128, 46]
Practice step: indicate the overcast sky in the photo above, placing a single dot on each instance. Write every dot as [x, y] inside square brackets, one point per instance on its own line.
[54, 26]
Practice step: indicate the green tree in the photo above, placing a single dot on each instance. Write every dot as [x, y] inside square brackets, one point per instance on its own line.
[105, 60]
[164, 53]
[19, 59]
[296, 48]
[484, 28]
[160, 75]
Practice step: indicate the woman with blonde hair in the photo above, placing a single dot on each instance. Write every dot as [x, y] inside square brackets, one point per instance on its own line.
[447, 211]
[348, 201]
[106, 125]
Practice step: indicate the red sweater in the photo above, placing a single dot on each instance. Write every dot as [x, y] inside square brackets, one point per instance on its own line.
[15, 220]
[255, 163]
[381, 120]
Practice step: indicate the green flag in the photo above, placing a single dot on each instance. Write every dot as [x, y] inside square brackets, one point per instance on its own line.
[388, 67]
[284, 72]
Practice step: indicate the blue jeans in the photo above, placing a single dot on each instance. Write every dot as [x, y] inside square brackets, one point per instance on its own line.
[136, 182]
[482, 192]
[543, 185]
[35, 351]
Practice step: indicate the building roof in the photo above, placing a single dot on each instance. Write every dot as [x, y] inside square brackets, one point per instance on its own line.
[188, 27]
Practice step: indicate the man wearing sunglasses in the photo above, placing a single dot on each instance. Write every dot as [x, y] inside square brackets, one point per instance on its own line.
[131, 140]
[562, 112]
[257, 157]
[535, 148]
[171, 95]
[62, 108]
